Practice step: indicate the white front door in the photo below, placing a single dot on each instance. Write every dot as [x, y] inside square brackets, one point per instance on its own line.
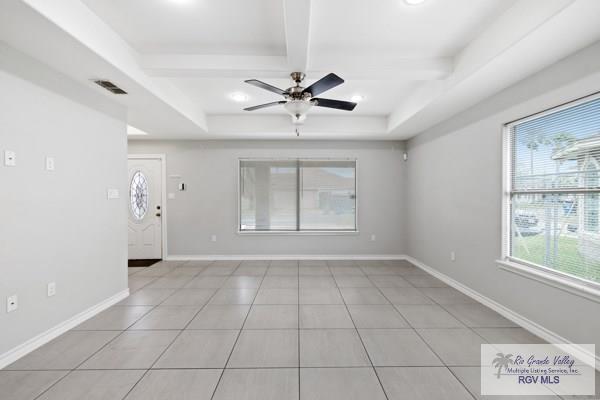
[145, 209]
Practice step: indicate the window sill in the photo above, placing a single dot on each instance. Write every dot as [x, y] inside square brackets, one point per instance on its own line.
[572, 285]
[299, 233]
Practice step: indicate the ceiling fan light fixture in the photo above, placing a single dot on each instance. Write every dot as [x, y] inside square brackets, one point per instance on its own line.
[414, 2]
[297, 108]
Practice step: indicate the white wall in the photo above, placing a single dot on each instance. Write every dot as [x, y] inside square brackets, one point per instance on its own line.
[209, 205]
[57, 226]
[454, 197]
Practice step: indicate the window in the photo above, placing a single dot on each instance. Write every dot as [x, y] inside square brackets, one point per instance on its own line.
[297, 195]
[553, 204]
[327, 195]
[268, 195]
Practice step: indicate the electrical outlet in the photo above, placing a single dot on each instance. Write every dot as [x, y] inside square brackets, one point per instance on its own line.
[213, 238]
[49, 163]
[10, 158]
[373, 237]
[51, 289]
[452, 256]
[12, 303]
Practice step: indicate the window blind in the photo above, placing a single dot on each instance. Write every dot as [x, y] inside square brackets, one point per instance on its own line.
[555, 188]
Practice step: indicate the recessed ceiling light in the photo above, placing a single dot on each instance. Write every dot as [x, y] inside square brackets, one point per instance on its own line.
[238, 97]
[414, 2]
[357, 98]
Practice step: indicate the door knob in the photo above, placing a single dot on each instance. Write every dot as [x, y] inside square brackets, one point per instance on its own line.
[158, 214]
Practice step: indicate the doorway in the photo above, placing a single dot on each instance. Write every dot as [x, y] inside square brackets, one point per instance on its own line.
[146, 212]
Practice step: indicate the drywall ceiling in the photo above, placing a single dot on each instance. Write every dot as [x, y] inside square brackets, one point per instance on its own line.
[414, 66]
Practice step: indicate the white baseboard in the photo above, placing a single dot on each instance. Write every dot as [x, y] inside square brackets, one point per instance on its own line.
[236, 257]
[23, 349]
[525, 323]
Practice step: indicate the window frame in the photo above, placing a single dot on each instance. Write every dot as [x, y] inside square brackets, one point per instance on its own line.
[321, 232]
[564, 281]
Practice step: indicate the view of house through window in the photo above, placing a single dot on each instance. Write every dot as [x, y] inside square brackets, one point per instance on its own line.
[554, 193]
[297, 195]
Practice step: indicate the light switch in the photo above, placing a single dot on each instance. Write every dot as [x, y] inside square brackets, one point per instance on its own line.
[10, 158]
[112, 194]
[171, 196]
[49, 163]
[51, 289]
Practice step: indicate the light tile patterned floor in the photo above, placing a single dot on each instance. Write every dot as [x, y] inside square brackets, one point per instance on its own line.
[229, 330]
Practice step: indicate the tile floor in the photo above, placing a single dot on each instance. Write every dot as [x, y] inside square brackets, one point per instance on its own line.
[229, 330]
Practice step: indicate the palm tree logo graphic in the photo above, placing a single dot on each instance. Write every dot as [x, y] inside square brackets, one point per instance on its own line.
[502, 361]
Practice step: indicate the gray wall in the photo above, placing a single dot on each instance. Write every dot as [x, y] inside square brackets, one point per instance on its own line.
[454, 177]
[209, 206]
[57, 226]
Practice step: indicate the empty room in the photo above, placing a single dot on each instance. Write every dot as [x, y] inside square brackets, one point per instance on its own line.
[299, 199]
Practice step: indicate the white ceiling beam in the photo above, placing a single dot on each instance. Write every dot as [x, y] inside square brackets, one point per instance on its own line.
[242, 66]
[210, 66]
[515, 27]
[516, 24]
[387, 67]
[297, 33]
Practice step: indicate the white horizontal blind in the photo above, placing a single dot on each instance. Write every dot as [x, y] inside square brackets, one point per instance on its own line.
[555, 190]
[297, 195]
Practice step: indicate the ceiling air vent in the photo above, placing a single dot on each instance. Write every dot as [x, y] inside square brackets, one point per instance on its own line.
[111, 87]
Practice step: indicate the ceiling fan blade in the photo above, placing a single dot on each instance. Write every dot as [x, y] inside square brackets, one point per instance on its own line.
[338, 104]
[266, 86]
[325, 83]
[264, 105]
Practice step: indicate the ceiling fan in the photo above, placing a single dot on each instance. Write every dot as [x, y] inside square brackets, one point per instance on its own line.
[298, 99]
